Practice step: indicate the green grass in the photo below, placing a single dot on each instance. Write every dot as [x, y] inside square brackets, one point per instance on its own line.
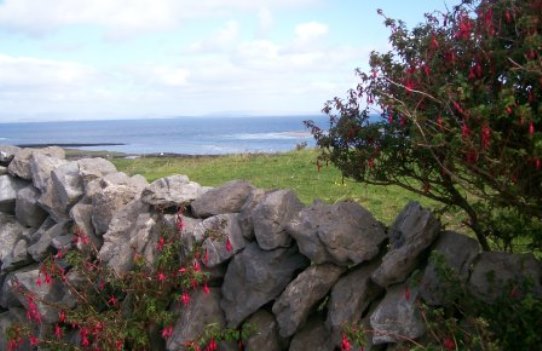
[294, 170]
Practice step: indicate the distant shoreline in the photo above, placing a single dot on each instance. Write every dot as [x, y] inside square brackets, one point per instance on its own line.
[38, 146]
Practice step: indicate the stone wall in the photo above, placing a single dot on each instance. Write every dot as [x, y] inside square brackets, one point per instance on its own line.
[295, 273]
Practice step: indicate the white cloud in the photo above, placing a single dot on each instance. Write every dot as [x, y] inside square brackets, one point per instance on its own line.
[219, 41]
[308, 32]
[265, 19]
[122, 18]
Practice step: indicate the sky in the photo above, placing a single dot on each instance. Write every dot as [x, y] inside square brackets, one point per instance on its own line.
[110, 59]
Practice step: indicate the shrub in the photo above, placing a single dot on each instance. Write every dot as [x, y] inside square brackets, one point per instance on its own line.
[460, 115]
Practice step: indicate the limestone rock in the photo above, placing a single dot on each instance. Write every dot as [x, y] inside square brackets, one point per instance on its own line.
[397, 318]
[44, 295]
[20, 165]
[10, 233]
[498, 273]
[45, 235]
[454, 252]
[245, 214]
[130, 226]
[296, 302]
[171, 191]
[229, 198]
[413, 231]
[27, 210]
[224, 238]
[202, 310]
[256, 277]
[18, 257]
[9, 186]
[3, 170]
[7, 152]
[41, 166]
[81, 214]
[63, 190]
[344, 233]
[313, 336]
[266, 334]
[271, 216]
[350, 297]
[94, 168]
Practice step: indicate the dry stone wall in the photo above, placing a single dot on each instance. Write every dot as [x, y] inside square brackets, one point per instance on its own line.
[296, 274]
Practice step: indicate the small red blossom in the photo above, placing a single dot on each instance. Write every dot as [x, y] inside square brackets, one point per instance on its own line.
[345, 344]
[212, 345]
[119, 345]
[161, 277]
[537, 163]
[38, 282]
[32, 312]
[448, 343]
[160, 244]
[83, 333]
[58, 331]
[167, 332]
[59, 254]
[185, 298]
[112, 300]
[179, 223]
[531, 128]
[465, 27]
[465, 131]
[196, 266]
[229, 247]
[34, 341]
[182, 270]
[206, 289]
[407, 293]
[62, 316]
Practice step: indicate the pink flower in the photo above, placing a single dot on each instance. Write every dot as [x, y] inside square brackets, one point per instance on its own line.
[83, 333]
[119, 345]
[345, 344]
[167, 332]
[185, 298]
[182, 270]
[465, 131]
[161, 277]
[196, 266]
[531, 128]
[34, 341]
[486, 136]
[160, 244]
[448, 343]
[32, 312]
[206, 289]
[62, 316]
[58, 331]
[112, 300]
[212, 346]
[229, 247]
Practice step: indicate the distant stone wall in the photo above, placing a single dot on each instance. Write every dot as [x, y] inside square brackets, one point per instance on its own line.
[295, 273]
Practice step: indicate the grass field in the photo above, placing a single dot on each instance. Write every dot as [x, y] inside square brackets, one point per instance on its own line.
[293, 170]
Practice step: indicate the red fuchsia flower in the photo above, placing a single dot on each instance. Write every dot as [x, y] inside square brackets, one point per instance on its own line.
[508, 16]
[14, 344]
[83, 333]
[167, 332]
[206, 289]
[38, 281]
[345, 344]
[537, 163]
[58, 331]
[206, 256]
[458, 107]
[62, 316]
[509, 110]
[427, 70]
[212, 345]
[48, 279]
[465, 26]
[182, 270]
[471, 157]
[32, 312]
[161, 277]
[196, 266]
[185, 298]
[407, 293]
[448, 343]
[180, 221]
[59, 255]
[229, 247]
[34, 341]
[465, 131]
[112, 300]
[486, 136]
[531, 128]
[434, 42]
[194, 283]
[160, 244]
[119, 345]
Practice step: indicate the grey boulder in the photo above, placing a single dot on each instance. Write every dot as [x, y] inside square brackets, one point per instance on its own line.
[171, 191]
[256, 277]
[313, 336]
[27, 210]
[229, 198]
[413, 231]
[300, 296]
[271, 216]
[344, 233]
[7, 152]
[223, 238]
[20, 164]
[265, 334]
[9, 187]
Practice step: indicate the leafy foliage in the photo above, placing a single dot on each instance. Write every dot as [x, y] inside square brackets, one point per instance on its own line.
[460, 114]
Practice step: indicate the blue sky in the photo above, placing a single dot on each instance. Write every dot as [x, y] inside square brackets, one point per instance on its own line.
[99, 59]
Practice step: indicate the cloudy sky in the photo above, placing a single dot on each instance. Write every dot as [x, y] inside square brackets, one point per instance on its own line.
[96, 59]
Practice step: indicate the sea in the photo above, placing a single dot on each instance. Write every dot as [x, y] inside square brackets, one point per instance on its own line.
[181, 135]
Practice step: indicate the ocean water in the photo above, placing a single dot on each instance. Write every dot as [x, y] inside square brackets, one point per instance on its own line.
[183, 135]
